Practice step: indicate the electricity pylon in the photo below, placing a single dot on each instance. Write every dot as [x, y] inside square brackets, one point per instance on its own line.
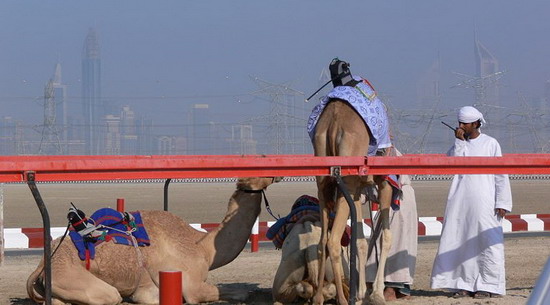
[49, 142]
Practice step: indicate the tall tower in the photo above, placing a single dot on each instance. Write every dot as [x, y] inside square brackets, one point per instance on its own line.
[49, 142]
[286, 133]
[487, 91]
[91, 92]
[60, 100]
[428, 85]
[201, 140]
[487, 78]
[128, 137]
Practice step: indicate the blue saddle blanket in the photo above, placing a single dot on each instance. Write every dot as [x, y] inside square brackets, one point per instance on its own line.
[113, 227]
[304, 205]
[364, 100]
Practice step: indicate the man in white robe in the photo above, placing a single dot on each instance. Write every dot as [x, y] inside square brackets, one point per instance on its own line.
[470, 258]
[401, 263]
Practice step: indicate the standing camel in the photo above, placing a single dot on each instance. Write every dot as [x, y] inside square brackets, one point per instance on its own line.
[337, 129]
[123, 271]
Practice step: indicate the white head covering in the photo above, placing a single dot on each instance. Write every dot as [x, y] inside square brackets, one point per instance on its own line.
[469, 114]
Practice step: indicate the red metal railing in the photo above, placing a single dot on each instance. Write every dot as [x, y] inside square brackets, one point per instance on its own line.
[82, 168]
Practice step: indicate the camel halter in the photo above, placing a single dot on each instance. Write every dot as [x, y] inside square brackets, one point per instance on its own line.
[265, 200]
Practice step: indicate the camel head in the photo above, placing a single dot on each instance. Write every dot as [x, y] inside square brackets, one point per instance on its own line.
[256, 183]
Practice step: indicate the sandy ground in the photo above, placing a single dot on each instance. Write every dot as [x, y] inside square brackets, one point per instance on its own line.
[206, 203]
[254, 272]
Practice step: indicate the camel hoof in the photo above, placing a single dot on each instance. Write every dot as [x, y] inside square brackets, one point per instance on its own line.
[329, 291]
[304, 290]
[377, 299]
[318, 300]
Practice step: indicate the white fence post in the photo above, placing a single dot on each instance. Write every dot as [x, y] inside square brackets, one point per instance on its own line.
[2, 241]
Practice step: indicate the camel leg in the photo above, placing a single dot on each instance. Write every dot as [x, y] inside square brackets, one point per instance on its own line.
[288, 277]
[334, 247]
[82, 287]
[147, 291]
[362, 245]
[203, 292]
[362, 250]
[384, 196]
[318, 299]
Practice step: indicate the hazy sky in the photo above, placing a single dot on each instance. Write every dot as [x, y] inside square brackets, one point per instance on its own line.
[162, 56]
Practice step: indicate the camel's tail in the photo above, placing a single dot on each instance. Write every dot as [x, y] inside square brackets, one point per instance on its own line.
[329, 188]
[35, 287]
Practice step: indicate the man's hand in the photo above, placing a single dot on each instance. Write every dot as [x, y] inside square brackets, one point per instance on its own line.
[460, 134]
[500, 213]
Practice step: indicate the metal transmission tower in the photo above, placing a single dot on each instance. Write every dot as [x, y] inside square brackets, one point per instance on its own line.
[485, 84]
[530, 124]
[488, 106]
[287, 128]
[49, 142]
[480, 84]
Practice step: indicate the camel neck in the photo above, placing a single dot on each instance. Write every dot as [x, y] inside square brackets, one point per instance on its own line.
[228, 240]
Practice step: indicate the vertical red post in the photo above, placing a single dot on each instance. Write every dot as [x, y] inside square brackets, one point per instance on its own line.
[120, 204]
[170, 288]
[255, 236]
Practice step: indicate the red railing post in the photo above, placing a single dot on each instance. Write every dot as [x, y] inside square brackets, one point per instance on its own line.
[170, 288]
[120, 204]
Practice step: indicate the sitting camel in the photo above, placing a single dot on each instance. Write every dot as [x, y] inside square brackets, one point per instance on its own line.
[337, 129]
[297, 273]
[123, 271]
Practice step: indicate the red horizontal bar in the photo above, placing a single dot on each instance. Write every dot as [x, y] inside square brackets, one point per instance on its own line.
[81, 168]
[441, 164]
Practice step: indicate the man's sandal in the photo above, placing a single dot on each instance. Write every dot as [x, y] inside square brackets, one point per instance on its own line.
[482, 295]
[461, 294]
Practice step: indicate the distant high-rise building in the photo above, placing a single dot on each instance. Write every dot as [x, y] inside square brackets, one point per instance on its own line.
[145, 138]
[111, 144]
[8, 136]
[129, 137]
[200, 130]
[170, 145]
[60, 100]
[487, 75]
[93, 109]
[427, 87]
[242, 140]
[164, 145]
[487, 97]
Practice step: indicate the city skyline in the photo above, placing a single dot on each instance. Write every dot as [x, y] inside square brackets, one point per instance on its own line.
[161, 59]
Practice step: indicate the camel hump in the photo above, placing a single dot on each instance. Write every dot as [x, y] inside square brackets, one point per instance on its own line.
[163, 218]
[367, 105]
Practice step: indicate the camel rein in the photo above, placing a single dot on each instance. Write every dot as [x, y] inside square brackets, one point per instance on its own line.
[267, 207]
